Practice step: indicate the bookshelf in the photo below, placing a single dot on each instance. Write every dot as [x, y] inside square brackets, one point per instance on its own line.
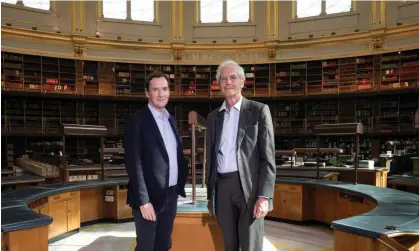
[370, 73]
[40, 93]
[91, 77]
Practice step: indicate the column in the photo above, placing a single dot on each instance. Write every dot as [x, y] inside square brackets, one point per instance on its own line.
[129, 10]
[323, 12]
[224, 11]
[177, 20]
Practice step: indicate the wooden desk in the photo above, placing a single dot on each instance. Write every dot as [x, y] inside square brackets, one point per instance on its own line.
[376, 177]
[359, 214]
[194, 229]
[408, 184]
[323, 175]
[21, 181]
[305, 202]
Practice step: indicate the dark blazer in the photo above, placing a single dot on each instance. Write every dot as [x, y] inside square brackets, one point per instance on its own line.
[147, 161]
[255, 151]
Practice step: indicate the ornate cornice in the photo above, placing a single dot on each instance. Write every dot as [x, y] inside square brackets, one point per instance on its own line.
[180, 50]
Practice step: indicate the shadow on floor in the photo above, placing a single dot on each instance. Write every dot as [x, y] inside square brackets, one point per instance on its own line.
[111, 243]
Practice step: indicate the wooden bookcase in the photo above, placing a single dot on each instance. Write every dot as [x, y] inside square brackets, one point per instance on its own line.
[381, 91]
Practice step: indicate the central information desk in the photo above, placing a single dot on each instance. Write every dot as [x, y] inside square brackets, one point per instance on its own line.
[364, 217]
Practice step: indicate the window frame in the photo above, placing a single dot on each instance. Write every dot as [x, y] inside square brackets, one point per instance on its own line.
[128, 19]
[323, 12]
[224, 15]
[21, 5]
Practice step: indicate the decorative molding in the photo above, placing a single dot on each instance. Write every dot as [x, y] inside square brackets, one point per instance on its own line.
[377, 43]
[272, 54]
[206, 53]
[79, 46]
[178, 55]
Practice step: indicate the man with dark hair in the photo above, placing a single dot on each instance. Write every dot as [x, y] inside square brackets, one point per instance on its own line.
[240, 162]
[156, 166]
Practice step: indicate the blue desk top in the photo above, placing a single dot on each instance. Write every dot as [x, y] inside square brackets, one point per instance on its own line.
[394, 207]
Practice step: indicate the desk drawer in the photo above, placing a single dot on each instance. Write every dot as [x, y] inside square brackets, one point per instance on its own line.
[64, 196]
[289, 188]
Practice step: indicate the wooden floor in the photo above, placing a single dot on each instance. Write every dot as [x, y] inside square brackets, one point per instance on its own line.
[121, 237]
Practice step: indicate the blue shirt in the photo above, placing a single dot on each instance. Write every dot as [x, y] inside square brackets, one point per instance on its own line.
[169, 138]
[227, 152]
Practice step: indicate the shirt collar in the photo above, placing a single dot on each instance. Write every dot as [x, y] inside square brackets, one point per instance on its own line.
[157, 114]
[237, 105]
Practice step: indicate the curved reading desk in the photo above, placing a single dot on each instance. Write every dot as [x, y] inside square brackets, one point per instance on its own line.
[363, 217]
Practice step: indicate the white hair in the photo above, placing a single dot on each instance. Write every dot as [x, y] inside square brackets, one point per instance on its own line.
[227, 63]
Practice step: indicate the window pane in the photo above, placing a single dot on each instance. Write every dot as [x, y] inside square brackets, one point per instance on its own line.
[115, 9]
[308, 8]
[9, 1]
[337, 6]
[238, 10]
[39, 4]
[211, 11]
[142, 10]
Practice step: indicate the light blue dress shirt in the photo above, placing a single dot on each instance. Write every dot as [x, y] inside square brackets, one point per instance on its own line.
[169, 138]
[227, 152]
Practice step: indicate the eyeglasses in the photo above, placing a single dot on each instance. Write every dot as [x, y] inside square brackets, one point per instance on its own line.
[233, 78]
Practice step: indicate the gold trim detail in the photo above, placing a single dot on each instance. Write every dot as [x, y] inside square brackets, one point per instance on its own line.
[197, 11]
[294, 9]
[268, 19]
[252, 11]
[181, 20]
[266, 51]
[53, 6]
[49, 37]
[377, 43]
[178, 55]
[173, 22]
[156, 12]
[373, 13]
[73, 16]
[354, 5]
[272, 54]
[79, 46]
[82, 15]
[383, 11]
[276, 19]
[99, 9]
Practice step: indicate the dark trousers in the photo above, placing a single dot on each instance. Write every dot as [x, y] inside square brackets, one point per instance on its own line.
[240, 230]
[157, 235]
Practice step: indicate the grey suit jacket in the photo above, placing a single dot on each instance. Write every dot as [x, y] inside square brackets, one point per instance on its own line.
[255, 151]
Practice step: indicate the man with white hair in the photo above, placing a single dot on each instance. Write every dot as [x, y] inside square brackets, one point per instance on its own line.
[240, 161]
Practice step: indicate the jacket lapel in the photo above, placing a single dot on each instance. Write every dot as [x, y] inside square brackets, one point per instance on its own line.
[175, 132]
[154, 128]
[243, 121]
[218, 129]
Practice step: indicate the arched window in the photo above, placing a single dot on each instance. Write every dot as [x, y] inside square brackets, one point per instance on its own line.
[337, 6]
[9, 1]
[238, 10]
[211, 11]
[214, 11]
[309, 8]
[38, 4]
[142, 10]
[115, 9]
